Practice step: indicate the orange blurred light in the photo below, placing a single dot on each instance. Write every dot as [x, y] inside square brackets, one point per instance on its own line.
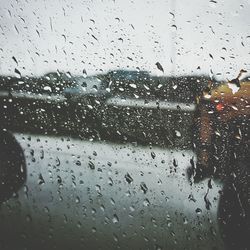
[219, 107]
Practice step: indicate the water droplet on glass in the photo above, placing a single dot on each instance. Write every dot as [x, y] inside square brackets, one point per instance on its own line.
[110, 181]
[174, 27]
[15, 60]
[68, 74]
[144, 187]
[59, 179]
[18, 73]
[198, 211]
[77, 200]
[153, 155]
[177, 133]
[185, 221]
[98, 188]
[115, 219]
[146, 203]
[40, 180]
[91, 165]
[212, 4]
[47, 88]
[28, 218]
[84, 73]
[78, 163]
[128, 178]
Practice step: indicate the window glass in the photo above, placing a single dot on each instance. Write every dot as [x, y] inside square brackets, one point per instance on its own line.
[124, 124]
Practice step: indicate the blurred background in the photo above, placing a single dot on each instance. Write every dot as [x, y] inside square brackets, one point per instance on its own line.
[102, 99]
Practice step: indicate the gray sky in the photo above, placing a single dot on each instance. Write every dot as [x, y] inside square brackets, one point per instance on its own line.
[100, 35]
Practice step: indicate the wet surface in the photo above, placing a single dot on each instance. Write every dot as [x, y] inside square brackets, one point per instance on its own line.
[96, 195]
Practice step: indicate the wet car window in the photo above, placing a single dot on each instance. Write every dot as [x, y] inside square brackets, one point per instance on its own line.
[124, 124]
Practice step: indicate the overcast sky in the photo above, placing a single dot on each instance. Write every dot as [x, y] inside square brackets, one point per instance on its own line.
[186, 37]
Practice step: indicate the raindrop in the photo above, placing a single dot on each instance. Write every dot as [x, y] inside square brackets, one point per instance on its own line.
[40, 180]
[84, 73]
[28, 218]
[191, 198]
[212, 3]
[177, 133]
[128, 193]
[38, 33]
[77, 200]
[47, 88]
[110, 181]
[94, 37]
[185, 221]
[98, 188]
[198, 211]
[16, 29]
[112, 201]
[93, 211]
[146, 202]
[102, 208]
[132, 85]
[172, 14]
[78, 163]
[174, 27]
[207, 202]
[213, 231]
[212, 29]
[153, 155]
[15, 60]
[210, 184]
[157, 247]
[115, 219]
[132, 208]
[115, 238]
[68, 74]
[59, 179]
[159, 66]
[128, 178]
[91, 165]
[46, 210]
[57, 162]
[18, 73]
[41, 154]
[144, 187]
[175, 163]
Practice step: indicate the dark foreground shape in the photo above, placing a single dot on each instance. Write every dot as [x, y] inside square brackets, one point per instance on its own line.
[234, 208]
[12, 166]
[234, 205]
[230, 161]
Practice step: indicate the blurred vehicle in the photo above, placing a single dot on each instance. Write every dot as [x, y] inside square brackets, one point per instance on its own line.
[122, 105]
[151, 109]
[85, 106]
[223, 149]
[32, 103]
[135, 106]
[222, 108]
